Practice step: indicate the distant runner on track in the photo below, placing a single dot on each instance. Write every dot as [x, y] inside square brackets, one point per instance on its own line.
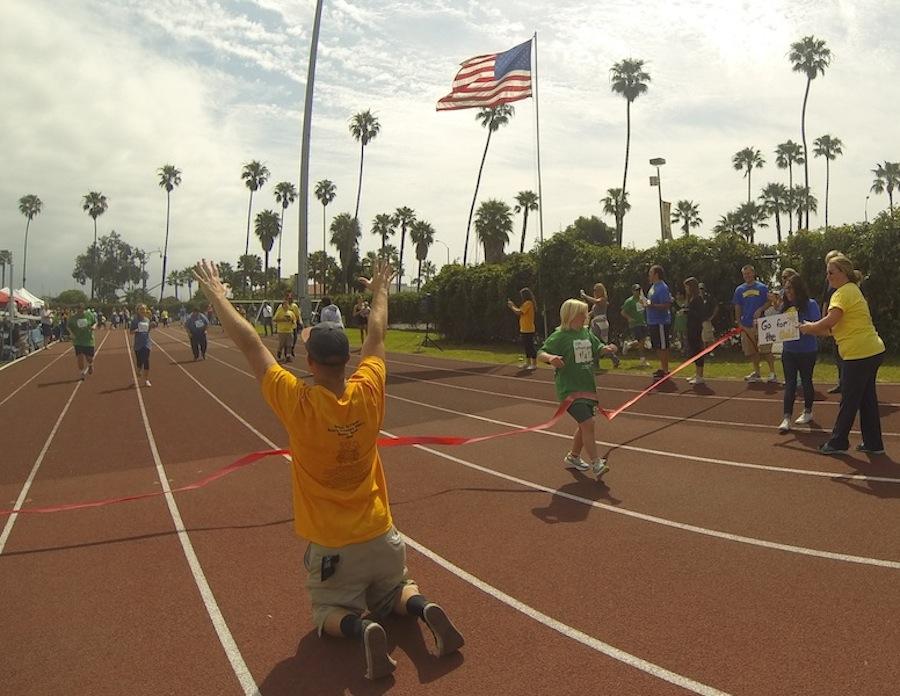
[81, 326]
[356, 559]
[196, 325]
[140, 329]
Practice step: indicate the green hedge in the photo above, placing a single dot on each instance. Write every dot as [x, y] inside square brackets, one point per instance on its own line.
[403, 307]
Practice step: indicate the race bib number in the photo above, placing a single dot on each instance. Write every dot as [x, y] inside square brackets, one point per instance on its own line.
[583, 351]
[199, 323]
[143, 326]
[81, 323]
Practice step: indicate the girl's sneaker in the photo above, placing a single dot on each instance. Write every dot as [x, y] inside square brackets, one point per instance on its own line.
[697, 381]
[805, 418]
[577, 463]
[599, 467]
[785, 424]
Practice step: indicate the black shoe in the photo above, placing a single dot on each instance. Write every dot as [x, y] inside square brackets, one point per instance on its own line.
[836, 389]
[828, 449]
[866, 450]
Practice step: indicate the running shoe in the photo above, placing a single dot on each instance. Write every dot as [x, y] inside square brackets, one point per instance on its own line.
[91, 369]
[829, 450]
[836, 389]
[785, 425]
[866, 450]
[773, 378]
[147, 383]
[697, 381]
[805, 418]
[753, 377]
[531, 368]
[447, 640]
[599, 467]
[378, 663]
[577, 463]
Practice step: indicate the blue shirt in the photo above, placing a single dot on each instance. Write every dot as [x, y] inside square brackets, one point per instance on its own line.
[196, 325]
[807, 342]
[141, 327]
[659, 294]
[750, 297]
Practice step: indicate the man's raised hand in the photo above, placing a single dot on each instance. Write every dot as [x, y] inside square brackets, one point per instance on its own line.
[382, 274]
[207, 274]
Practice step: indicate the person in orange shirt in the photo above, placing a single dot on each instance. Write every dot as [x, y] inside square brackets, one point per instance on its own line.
[356, 558]
[525, 312]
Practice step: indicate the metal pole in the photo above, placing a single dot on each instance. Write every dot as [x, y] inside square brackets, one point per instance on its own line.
[867, 210]
[537, 131]
[446, 247]
[302, 248]
[662, 225]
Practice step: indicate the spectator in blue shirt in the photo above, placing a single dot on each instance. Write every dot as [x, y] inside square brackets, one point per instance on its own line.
[800, 355]
[196, 325]
[659, 319]
[750, 296]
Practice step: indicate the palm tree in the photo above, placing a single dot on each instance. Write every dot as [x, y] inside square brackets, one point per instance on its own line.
[267, 228]
[325, 192]
[421, 234]
[364, 127]
[612, 203]
[776, 200]
[249, 267]
[687, 213]
[285, 194]
[493, 225]
[787, 154]
[94, 204]
[525, 201]
[887, 178]
[751, 216]
[169, 178]
[345, 236]
[809, 56]
[5, 260]
[254, 174]
[730, 222]
[404, 217]
[29, 205]
[187, 278]
[829, 148]
[803, 201]
[492, 119]
[383, 227]
[629, 79]
[175, 279]
[749, 158]
[429, 270]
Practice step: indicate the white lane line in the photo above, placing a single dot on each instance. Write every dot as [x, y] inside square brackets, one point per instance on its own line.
[753, 541]
[232, 652]
[36, 374]
[30, 355]
[564, 629]
[23, 494]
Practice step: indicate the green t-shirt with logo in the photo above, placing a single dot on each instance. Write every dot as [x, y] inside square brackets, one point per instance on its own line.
[632, 309]
[81, 328]
[577, 348]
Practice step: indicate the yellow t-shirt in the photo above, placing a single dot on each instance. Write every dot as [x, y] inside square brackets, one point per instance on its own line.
[285, 320]
[295, 308]
[526, 318]
[340, 495]
[855, 334]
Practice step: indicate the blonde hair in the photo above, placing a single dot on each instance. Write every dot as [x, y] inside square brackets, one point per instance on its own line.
[845, 266]
[789, 272]
[569, 310]
[693, 288]
[141, 307]
[831, 254]
[602, 288]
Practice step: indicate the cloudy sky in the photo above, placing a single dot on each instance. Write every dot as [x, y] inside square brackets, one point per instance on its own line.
[98, 94]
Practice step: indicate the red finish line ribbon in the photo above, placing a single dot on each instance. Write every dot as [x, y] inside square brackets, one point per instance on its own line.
[383, 442]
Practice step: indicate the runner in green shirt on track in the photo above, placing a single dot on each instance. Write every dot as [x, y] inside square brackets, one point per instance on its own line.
[633, 313]
[81, 326]
[572, 349]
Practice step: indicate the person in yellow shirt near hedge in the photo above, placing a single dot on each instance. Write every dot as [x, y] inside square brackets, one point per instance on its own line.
[862, 351]
[356, 559]
[285, 323]
[525, 312]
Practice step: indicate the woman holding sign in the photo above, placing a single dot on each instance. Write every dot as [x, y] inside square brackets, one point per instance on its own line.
[862, 350]
[140, 329]
[798, 356]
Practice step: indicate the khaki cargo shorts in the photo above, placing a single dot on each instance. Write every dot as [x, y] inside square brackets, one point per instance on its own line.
[367, 577]
[750, 344]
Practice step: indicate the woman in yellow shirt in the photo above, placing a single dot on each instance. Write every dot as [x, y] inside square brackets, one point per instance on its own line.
[525, 312]
[862, 351]
[285, 323]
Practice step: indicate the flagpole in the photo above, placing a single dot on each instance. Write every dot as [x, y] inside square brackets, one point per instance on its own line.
[303, 246]
[537, 128]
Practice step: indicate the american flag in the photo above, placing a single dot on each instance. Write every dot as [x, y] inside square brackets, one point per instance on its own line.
[490, 80]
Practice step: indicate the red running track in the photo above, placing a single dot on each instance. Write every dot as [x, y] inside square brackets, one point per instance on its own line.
[717, 556]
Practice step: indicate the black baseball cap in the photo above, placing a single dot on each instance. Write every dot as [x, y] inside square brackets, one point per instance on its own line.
[327, 343]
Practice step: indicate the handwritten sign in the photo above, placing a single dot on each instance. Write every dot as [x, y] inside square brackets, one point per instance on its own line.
[778, 328]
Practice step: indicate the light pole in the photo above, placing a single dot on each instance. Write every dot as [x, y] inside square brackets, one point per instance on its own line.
[658, 162]
[438, 241]
[867, 210]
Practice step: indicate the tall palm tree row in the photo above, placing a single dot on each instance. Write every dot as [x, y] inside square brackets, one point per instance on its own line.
[802, 201]
[492, 119]
[169, 178]
[345, 234]
[775, 198]
[175, 279]
[493, 225]
[325, 192]
[748, 158]
[404, 217]
[364, 127]
[421, 233]
[187, 278]
[525, 201]
[383, 227]
[887, 180]
[615, 204]
[94, 204]
[285, 194]
[254, 174]
[787, 154]
[828, 147]
[30, 206]
[750, 216]
[267, 228]
[629, 79]
[809, 56]
[687, 214]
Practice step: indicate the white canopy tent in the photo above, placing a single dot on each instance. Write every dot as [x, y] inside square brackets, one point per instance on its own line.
[32, 299]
